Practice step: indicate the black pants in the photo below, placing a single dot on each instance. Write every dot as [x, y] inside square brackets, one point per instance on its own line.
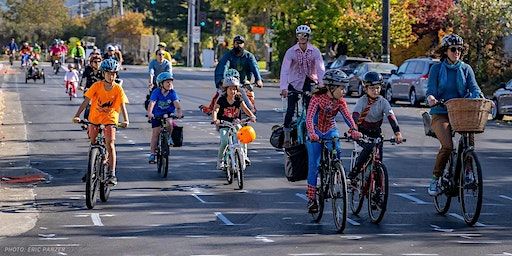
[293, 98]
[365, 154]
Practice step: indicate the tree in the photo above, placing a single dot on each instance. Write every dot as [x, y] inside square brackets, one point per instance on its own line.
[131, 24]
[36, 20]
[430, 15]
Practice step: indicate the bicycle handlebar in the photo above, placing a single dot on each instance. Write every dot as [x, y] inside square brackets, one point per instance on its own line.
[166, 116]
[234, 123]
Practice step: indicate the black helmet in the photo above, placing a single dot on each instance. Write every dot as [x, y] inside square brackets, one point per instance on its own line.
[372, 78]
[450, 40]
[335, 77]
[239, 38]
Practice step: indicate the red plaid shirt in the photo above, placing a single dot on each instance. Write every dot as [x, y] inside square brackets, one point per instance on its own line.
[322, 110]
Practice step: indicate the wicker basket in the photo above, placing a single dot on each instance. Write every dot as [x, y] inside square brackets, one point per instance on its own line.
[468, 115]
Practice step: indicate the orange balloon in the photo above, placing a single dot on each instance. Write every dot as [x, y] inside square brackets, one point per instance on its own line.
[246, 134]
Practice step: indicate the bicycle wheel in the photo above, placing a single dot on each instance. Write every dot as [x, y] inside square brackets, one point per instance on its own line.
[229, 167]
[239, 163]
[92, 178]
[163, 155]
[356, 194]
[320, 197]
[470, 188]
[443, 200]
[378, 193]
[104, 187]
[339, 197]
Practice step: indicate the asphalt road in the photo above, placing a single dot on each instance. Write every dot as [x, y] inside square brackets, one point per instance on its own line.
[193, 211]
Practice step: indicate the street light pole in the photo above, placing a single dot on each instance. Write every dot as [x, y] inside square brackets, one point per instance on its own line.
[385, 31]
[191, 22]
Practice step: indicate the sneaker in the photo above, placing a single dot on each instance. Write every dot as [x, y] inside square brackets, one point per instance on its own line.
[74, 95]
[220, 165]
[152, 158]
[312, 206]
[112, 180]
[433, 188]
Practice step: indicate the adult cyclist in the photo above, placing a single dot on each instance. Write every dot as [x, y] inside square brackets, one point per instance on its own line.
[244, 62]
[13, 48]
[78, 55]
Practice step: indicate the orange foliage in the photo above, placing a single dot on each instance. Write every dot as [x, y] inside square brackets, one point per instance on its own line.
[130, 24]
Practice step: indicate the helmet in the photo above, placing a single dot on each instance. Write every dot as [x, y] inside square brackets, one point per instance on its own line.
[71, 65]
[164, 76]
[303, 29]
[110, 48]
[231, 81]
[239, 38]
[162, 44]
[232, 73]
[372, 78]
[61, 41]
[109, 65]
[335, 77]
[246, 134]
[25, 44]
[35, 62]
[78, 43]
[451, 39]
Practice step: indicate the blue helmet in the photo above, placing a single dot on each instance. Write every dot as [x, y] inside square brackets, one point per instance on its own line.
[109, 65]
[164, 76]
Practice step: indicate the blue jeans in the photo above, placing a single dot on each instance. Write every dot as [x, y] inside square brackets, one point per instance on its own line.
[315, 151]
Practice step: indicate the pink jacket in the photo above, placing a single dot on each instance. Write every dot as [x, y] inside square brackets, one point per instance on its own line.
[298, 64]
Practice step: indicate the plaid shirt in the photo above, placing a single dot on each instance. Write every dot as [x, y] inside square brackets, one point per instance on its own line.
[322, 110]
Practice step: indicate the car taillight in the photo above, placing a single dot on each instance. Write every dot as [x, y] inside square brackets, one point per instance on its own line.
[425, 76]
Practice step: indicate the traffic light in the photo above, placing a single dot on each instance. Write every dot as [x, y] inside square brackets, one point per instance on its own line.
[228, 26]
[202, 19]
[152, 2]
[217, 28]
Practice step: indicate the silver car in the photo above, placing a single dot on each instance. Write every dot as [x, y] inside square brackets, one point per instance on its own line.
[356, 79]
[503, 101]
[410, 81]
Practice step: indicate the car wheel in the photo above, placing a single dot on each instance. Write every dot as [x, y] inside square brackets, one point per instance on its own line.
[413, 99]
[389, 94]
[494, 111]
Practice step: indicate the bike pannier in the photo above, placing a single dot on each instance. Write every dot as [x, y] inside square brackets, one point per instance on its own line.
[277, 136]
[296, 163]
[177, 136]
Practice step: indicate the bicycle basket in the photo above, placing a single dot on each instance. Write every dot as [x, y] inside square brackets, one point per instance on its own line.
[468, 115]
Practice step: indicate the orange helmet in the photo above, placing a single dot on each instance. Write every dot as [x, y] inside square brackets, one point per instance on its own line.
[246, 134]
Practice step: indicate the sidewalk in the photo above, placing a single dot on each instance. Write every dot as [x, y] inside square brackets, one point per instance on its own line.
[17, 177]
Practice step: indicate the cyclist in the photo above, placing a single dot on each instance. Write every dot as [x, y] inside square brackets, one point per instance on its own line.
[78, 55]
[37, 52]
[110, 53]
[244, 62]
[163, 101]
[320, 123]
[12, 46]
[227, 108]
[71, 79]
[107, 100]
[369, 113]
[34, 69]
[302, 65]
[63, 51]
[26, 54]
[452, 78]
[166, 54]
[157, 66]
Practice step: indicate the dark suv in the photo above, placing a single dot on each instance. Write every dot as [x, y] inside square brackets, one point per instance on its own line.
[410, 81]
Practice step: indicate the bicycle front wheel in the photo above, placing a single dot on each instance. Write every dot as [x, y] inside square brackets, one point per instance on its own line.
[92, 178]
[104, 187]
[356, 193]
[163, 156]
[470, 188]
[239, 171]
[339, 197]
[378, 193]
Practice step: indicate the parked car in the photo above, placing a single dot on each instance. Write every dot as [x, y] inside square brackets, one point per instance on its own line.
[355, 83]
[410, 81]
[347, 64]
[503, 101]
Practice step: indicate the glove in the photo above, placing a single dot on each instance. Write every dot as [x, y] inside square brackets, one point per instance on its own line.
[355, 135]
[314, 137]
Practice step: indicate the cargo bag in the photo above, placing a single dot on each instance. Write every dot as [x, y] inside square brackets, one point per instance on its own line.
[296, 163]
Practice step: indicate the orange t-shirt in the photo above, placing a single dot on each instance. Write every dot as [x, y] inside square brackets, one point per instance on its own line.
[105, 105]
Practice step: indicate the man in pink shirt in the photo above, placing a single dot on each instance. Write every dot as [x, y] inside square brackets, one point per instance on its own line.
[302, 65]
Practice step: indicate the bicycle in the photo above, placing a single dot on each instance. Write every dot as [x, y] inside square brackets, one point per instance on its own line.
[233, 155]
[462, 178]
[11, 57]
[332, 185]
[162, 149]
[71, 89]
[371, 182]
[56, 64]
[96, 178]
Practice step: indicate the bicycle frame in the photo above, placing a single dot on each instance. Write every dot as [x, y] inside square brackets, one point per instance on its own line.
[465, 144]
[233, 145]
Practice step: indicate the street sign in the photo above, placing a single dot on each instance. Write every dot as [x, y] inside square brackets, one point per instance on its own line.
[260, 30]
[196, 34]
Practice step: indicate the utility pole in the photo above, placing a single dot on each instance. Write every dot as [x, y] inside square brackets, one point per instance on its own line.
[196, 22]
[191, 22]
[81, 6]
[121, 9]
[385, 31]
[113, 9]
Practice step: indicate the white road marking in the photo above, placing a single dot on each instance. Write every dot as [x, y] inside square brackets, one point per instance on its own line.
[161, 213]
[412, 198]
[122, 237]
[478, 242]
[96, 219]
[208, 255]
[302, 196]
[53, 238]
[198, 198]
[75, 226]
[390, 234]
[264, 239]
[352, 237]
[46, 235]
[196, 236]
[353, 222]
[501, 254]
[478, 224]
[420, 254]
[224, 219]
[506, 197]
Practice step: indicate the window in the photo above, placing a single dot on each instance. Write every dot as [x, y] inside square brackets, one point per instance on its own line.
[403, 67]
[420, 67]
[411, 67]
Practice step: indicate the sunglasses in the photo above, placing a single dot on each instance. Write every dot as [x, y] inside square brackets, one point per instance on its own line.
[97, 61]
[303, 35]
[454, 49]
[159, 54]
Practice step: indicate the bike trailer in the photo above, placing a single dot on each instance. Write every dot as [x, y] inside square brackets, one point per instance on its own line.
[177, 136]
[296, 163]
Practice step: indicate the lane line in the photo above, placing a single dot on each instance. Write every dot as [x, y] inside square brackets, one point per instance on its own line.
[302, 196]
[264, 239]
[353, 222]
[506, 197]
[478, 224]
[223, 218]
[420, 254]
[96, 219]
[198, 198]
[412, 198]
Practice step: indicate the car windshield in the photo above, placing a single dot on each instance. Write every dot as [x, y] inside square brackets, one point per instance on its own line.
[383, 68]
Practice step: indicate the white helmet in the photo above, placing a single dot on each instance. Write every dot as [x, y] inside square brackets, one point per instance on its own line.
[303, 29]
[231, 81]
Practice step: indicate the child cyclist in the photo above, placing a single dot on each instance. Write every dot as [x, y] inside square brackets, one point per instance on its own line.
[107, 100]
[162, 101]
[71, 78]
[228, 108]
[368, 113]
[320, 124]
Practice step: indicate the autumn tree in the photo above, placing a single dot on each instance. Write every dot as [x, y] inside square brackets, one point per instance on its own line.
[131, 24]
[430, 15]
